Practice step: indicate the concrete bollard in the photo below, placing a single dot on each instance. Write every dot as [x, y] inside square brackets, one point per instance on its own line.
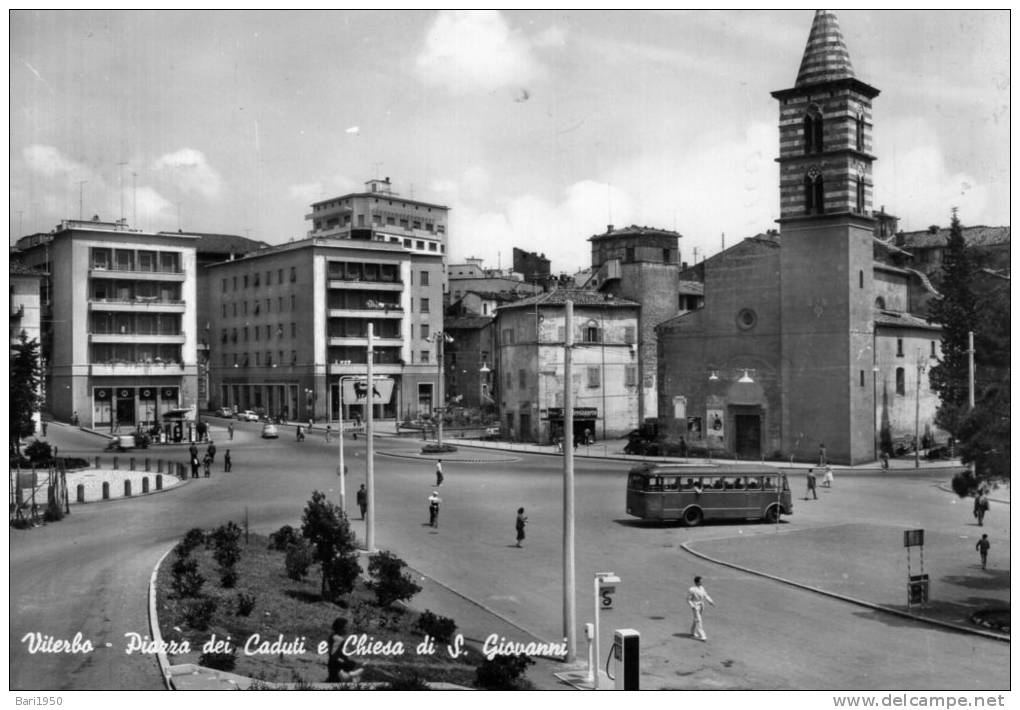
[81, 492]
[132, 460]
[159, 481]
[97, 462]
[145, 484]
[127, 488]
[147, 464]
[106, 490]
[116, 463]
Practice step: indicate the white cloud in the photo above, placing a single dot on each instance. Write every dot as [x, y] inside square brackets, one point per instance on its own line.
[914, 182]
[50, 162]
[476, 50]
[189, 170]
[152, 207]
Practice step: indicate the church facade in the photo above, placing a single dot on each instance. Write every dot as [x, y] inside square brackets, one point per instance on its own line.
[806, 343]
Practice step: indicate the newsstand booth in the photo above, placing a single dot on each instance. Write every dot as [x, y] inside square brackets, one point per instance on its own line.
[178, 426]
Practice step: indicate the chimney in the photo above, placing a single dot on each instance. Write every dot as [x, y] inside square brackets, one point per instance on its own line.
[609, 228]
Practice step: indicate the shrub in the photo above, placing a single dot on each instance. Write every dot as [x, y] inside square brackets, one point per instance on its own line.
[245, 604]
[299, 558]
[226, 549]
[964, 484]
[503, 673]
[409, 680]
[228, 578]
[54, 513]
[192, 539]
[438, 448]
[283, 538]
[39, 452]
[440, 628]
[390, 583]
[199, 613]
[186, 582]
[341, 574]
[218, 661]
[21, 523]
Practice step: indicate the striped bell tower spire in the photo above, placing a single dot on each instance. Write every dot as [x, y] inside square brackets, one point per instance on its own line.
[826, 57]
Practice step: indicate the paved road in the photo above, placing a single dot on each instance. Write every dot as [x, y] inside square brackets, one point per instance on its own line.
[89, 573]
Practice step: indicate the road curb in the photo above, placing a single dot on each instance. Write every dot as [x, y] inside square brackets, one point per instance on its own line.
[154, 633]
[433, 457]
[842, 597]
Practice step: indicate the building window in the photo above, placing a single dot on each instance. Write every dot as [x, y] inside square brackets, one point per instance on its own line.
[245, 305]
[293, 274]
[508, 336]
[934, 353]
[246, 280]
[522, 380]
[224, 309]
[813, 131]
[509, 380]
[235, 283]
[424, 302]
[592, 334]
[628, 254]
[630, 376]
[862, 378]
[899, 347]
[860, 278]
[424, 331]
[419, 245]
[256, 280]
[432, 246]
[258, 359]
[593, 377]
[424, 278]
[880, 303]
[407, 243]
[901, 386]
[245, 334]
[860, 196]
[628, 334]
[255, 330]
[814, 192]
[424, 356]
[860, 131]
[293, 330]
[269, 278]
[665, 256]
[279, 276]
[224, 289]
[292, 301]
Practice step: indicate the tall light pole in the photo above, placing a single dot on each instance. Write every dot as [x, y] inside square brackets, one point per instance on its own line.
[369, 448]
[569, 596]
[440, 337]
[917, 411]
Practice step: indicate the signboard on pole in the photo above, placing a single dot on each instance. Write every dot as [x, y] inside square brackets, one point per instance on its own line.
[356, 389]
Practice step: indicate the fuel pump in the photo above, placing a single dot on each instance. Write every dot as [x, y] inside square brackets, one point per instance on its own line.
[625, 655]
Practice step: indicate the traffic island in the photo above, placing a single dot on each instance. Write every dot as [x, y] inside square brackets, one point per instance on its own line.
[438, 449]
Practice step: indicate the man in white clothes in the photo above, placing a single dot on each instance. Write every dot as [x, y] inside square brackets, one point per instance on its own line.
[696, 597]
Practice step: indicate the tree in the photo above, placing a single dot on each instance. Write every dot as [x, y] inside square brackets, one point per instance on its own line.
[956, 311]
[326, 527]
[26, 376]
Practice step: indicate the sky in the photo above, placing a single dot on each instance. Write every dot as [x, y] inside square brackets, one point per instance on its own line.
[536, 128]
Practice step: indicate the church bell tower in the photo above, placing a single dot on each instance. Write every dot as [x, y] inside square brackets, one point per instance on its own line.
[826, 227]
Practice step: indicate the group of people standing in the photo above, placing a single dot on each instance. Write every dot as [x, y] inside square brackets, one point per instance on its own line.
[207, 461]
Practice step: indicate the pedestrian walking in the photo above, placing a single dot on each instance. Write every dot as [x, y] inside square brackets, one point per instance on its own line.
[207, 462]
[980, 507]
[696, 598]
[828, 478]
[211, 450]
[821, 455]
[311, 421]
[74, 419]
[226, 461]
[885, 460]
[439, 472]
[230, 430]
[811, 484]
[363, 500]
[434, 501]
[521, 520]
[299, 435]
[329, 433]
[194, 466]
[982, 546]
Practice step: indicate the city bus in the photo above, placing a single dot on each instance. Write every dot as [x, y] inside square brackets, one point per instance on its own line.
[694, 494]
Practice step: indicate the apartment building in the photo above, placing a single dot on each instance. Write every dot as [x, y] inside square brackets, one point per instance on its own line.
[118, 328]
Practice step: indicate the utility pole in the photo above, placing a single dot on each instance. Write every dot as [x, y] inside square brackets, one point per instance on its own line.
[369, 450]
[917, 411]
[569, 596]
[970, 370]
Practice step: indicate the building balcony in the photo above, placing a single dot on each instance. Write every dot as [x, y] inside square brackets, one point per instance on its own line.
[102, 272]
[122, 338]
[359, 368]
[140, 303]
[354, 284]
[362, 342]
[394, 312]
[136, 369]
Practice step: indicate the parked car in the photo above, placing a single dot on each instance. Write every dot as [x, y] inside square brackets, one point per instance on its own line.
[247, 416]
[269, 431]
[225, 412]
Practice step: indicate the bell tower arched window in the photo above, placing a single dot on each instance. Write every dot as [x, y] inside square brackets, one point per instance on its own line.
[813, 131]
[860, 131]
[814, 192]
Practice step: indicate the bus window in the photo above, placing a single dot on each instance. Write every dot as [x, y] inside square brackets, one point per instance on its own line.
[718, 484]
[669, 484]
[753, 484]
[738, 484]
[636, 482]
[768, 484]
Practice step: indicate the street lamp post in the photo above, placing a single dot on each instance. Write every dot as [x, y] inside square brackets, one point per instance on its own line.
[440, 337]
[569, 596]
[917, 411]
[310, 403]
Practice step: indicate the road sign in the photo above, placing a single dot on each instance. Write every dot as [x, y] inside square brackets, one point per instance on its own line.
[355, 390]
[913, 538]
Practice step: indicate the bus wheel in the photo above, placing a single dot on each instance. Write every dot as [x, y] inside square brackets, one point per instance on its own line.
[693, 517]
[772, 514]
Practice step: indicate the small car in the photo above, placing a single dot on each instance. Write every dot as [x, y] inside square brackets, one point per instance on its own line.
[247, 416]
[269, 431]
[225, 412]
